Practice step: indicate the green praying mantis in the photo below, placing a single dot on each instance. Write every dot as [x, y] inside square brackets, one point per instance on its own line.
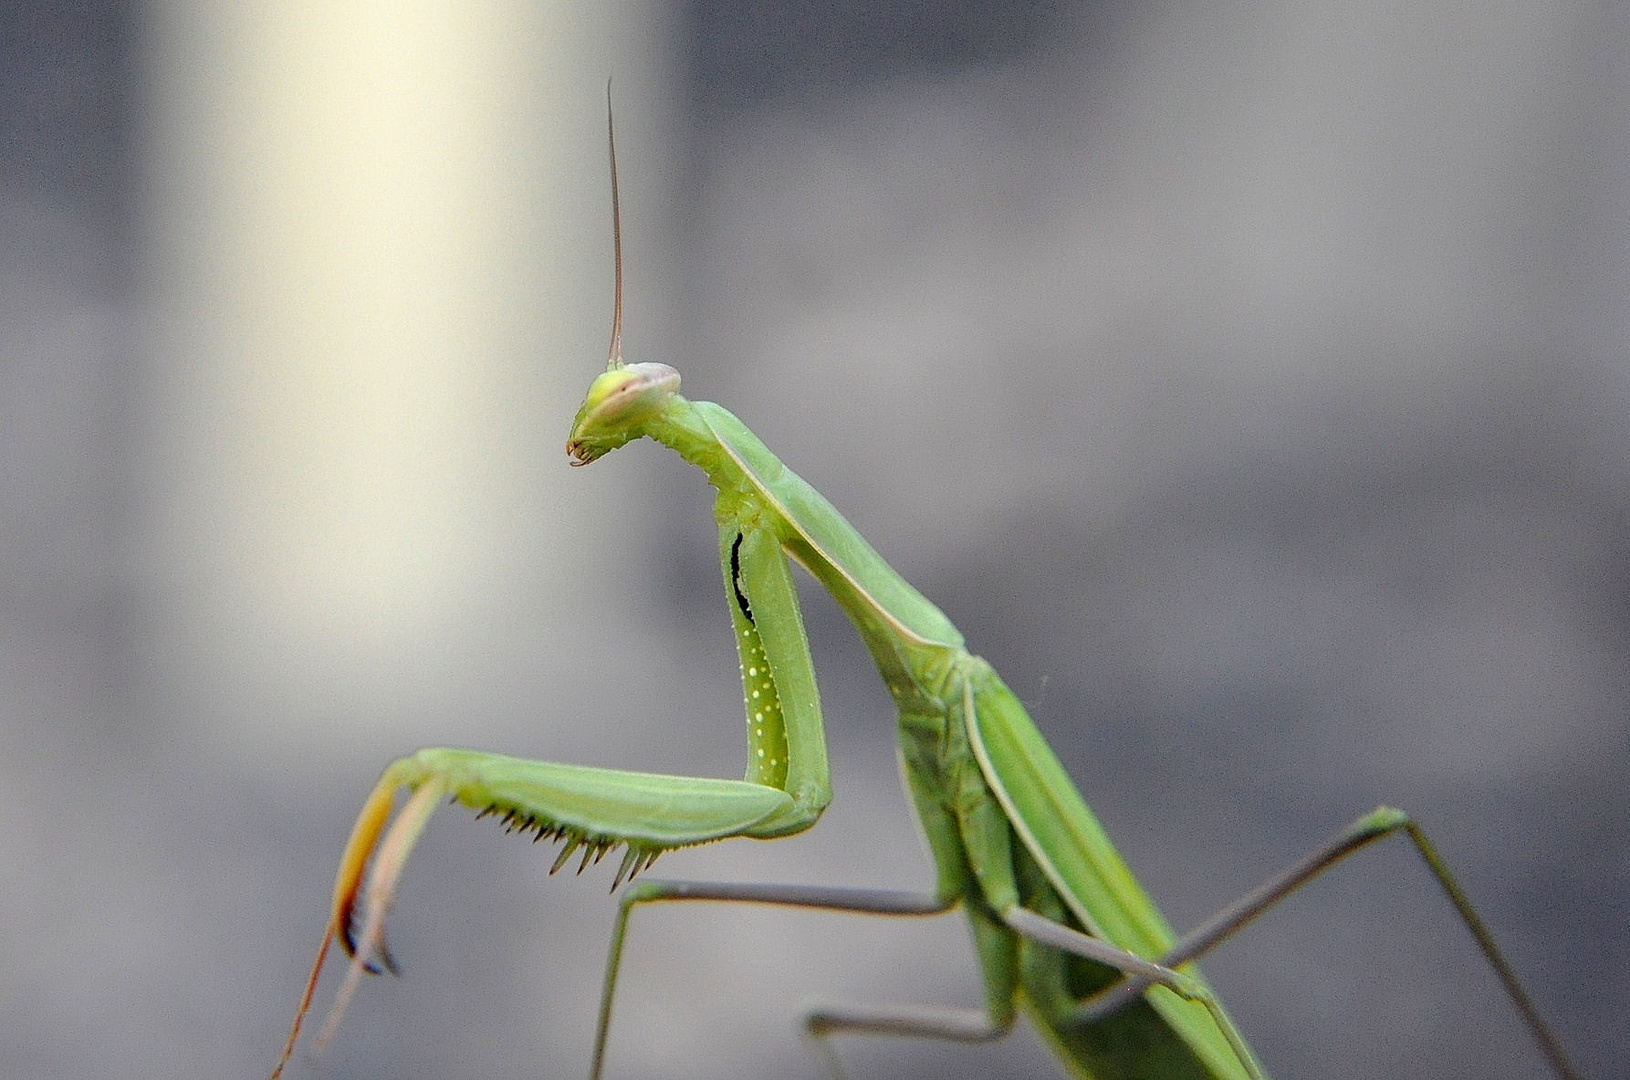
[1063, 931]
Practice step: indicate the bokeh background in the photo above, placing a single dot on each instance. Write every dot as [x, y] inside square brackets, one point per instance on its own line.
[1247, 381]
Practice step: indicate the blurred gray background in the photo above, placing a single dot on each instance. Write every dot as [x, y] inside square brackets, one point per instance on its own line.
[1247, 382]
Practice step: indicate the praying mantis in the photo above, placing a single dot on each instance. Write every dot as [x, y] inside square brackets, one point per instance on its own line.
[1063, 931]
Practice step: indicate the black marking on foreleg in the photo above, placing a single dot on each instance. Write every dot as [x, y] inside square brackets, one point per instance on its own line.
[736, 583]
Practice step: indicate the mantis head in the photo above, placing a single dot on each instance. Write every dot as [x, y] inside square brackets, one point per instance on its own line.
[618, 403]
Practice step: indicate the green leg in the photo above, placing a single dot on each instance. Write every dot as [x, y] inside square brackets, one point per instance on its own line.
[1376, 825]
[945, 1022]
[868, 901]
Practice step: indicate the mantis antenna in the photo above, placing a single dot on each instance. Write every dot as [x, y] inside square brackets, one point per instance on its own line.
[615, 360]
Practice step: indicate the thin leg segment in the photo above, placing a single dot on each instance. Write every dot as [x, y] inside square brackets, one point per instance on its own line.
[1376, 825]
[901, 1021]
[960, 1024]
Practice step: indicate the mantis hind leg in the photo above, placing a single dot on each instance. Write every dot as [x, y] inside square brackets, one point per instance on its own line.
[946, 1023]
[1380, 823]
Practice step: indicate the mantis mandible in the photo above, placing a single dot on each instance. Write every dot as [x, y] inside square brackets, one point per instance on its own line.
[1063, 931]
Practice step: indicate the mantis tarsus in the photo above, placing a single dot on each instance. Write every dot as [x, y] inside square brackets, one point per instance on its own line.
[1062, 929]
